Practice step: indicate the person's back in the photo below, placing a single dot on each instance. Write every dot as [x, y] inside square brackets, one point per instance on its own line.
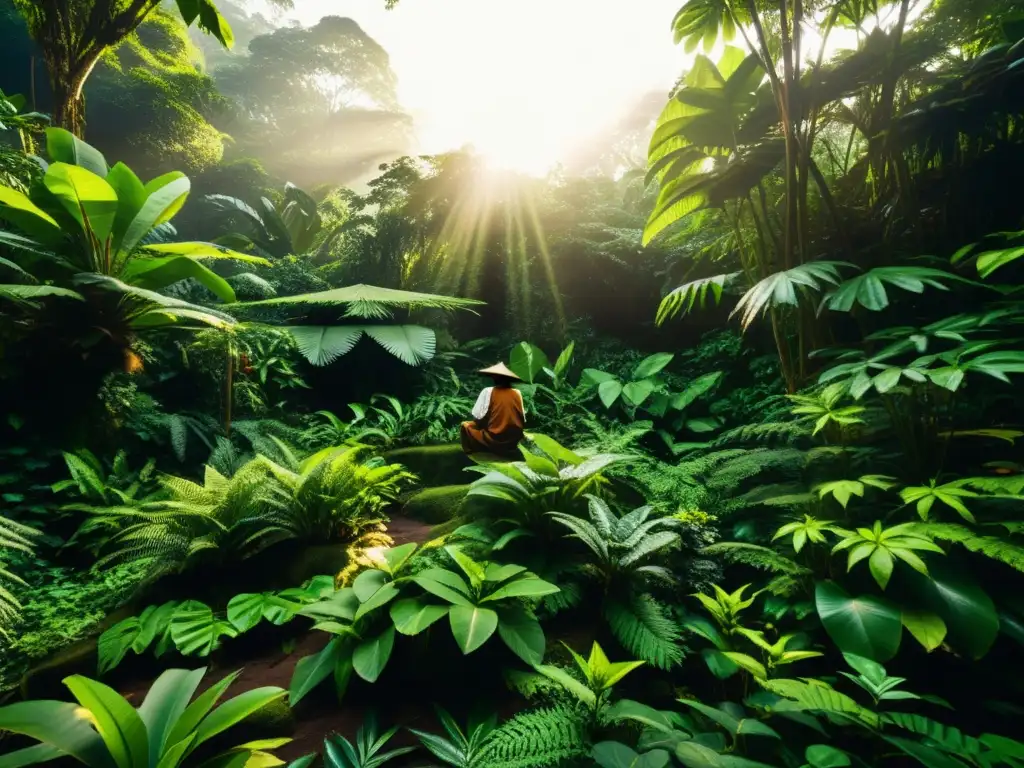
[499, 418]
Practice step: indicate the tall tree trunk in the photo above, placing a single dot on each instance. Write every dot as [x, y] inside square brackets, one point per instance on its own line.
[68, 98]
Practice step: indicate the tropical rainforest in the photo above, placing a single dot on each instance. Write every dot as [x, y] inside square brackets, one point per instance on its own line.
[769, 506]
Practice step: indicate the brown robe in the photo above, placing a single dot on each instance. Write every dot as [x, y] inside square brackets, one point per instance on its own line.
[501, 429]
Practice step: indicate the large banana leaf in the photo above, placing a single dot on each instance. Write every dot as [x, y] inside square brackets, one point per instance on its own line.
[62, 732]
[64, 147]
[30, 292]
[90, 200]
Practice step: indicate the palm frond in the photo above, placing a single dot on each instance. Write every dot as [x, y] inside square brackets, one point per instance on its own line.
[369, 301]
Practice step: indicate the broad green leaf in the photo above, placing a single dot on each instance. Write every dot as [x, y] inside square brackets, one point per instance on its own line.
[64, 147]
[652, 365]
[695, 389]
[927, 628]
[115, 643]
[824, 756]
[966, 609]
[381, 597]
[609, 392]
[522, 633]
[371, 656]
[368, 582]
[526, 361]
[165, 197]
[472, 626]
[235, 710]
[636, 392]
[18, 209]
[117, 721]
[195, 629]
[525, 587]
[612, 754]
[867, 626]
[165, 703]
[444, 584]
[58, 725]
[87, 197]
[245, 611]
[199, 250]
[159, 272]
[411, 616]
[313, 670]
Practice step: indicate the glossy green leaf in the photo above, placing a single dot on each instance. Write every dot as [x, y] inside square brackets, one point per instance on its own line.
[89, 199]
[313, 670]
[64, 147]
[867, 626]
[927, 628]
[371, 656]
[411, 616]
[522, 633]
[117, 721]
[472, 626]
[61, 729]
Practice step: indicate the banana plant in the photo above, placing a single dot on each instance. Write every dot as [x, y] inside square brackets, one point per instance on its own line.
[273, 231]
[83, 231]
[103, 730]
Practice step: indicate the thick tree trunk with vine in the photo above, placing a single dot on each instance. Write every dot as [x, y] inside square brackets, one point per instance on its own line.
[68, 103]
[73, 36]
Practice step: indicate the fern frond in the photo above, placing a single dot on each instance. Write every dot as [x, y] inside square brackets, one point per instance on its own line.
[644, 629]
[538, 739]
[774, 432]
[946, 737]
[989, 546]
[756, 556]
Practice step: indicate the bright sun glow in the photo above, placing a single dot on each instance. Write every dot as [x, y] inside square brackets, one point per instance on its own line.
[526, 84]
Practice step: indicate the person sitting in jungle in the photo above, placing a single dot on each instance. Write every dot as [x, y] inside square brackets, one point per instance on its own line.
[498, 416]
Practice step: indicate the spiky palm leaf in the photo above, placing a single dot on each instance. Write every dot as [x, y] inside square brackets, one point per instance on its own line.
[681, 300]
[780, 289]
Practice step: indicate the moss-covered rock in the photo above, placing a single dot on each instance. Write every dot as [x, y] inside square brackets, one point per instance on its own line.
[434, 464]
[436, 505]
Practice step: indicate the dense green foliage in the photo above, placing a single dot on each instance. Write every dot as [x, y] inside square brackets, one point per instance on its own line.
[788, 539]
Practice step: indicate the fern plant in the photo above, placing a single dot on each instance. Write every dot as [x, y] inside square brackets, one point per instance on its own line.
[623, 554]
[222, 518]
[14, 537]
[334, 494]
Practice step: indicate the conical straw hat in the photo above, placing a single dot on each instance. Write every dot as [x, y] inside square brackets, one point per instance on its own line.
[500, 369]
